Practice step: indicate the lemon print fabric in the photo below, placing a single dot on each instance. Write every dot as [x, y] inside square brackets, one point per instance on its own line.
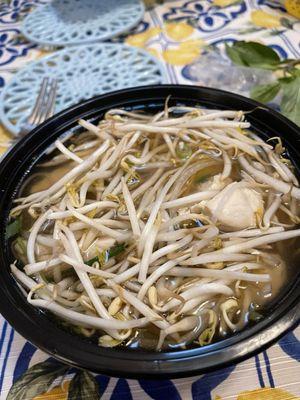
[184, 54]
[187, 50]
[153, 51]
[174, 43]
[47, 381]
[263, 19]
[141, 39]
[4, 139]
[267, 394]
[293, 7]
[178, 30]
[263, 394]
[225, 3]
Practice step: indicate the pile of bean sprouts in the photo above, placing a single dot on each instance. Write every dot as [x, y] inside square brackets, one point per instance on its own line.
[134, 237]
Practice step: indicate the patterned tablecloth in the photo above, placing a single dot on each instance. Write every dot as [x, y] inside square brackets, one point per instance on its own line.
[176, 32]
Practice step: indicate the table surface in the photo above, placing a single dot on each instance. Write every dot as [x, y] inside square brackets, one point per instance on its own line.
[176, 32]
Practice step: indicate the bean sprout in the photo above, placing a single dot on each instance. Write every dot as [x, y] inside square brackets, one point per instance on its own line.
[165, 224]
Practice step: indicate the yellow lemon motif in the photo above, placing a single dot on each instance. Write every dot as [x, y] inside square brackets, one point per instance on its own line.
[154, 52]
[192, 44]
[185, 53]
[224, 3]
[178, 30]
[57, 393]
[293, 7]
[141, 39]
[265, 20]
[267, 394]
[4, 138]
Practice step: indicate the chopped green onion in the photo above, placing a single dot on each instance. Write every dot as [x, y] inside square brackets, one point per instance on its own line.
[107, 254]
[116, 250]
[92, 261]
[13, 228]
[183, 151]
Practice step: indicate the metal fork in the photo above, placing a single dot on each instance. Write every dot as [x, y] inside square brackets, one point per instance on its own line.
[43, 107]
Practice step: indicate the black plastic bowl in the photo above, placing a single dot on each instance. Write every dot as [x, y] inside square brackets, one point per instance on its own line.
[45, 333]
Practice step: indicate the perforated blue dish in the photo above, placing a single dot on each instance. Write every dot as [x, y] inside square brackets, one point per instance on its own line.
[82, 72]
[69, 22]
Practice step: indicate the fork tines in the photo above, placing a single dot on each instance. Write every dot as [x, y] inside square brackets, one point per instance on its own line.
[45, 102]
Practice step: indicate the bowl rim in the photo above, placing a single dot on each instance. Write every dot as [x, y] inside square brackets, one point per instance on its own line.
[39, 330]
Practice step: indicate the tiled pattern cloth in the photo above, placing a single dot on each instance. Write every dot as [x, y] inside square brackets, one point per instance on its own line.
[176, 32]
